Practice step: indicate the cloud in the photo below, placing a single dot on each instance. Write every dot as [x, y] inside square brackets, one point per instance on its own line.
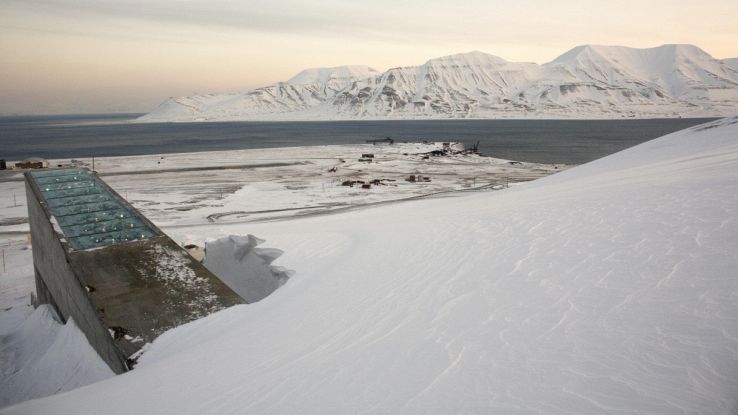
[283, 17]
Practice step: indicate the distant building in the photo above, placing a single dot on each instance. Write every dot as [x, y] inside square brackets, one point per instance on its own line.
[32, 163]
[387, 140]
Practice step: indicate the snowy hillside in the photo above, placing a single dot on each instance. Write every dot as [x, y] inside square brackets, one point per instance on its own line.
[304, 91]
[586, 82]
[345, 74]
[608, 288]
[732, 62]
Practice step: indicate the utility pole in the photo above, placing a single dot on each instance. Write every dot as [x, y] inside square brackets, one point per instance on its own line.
[93, 163]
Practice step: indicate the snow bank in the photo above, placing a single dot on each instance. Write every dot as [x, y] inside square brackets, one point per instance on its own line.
[42, 357]
[16, 283]
[609, 288]
[245, 268]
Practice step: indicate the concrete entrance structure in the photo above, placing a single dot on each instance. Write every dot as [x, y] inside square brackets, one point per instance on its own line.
[103, 264]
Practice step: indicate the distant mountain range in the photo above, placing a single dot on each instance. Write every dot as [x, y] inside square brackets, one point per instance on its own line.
[588, 81]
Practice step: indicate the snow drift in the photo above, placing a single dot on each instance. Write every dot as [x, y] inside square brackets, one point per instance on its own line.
[42, 357]
[245, 268]
[608, 288]
[589, 81]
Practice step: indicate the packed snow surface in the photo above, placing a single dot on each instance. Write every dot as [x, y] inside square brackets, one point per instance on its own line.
[608, 288]
[589, 81]
[215, 187]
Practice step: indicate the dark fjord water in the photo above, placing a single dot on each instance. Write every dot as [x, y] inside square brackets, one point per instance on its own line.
[547, 141]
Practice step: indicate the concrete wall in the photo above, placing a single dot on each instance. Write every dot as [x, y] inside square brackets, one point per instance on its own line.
[62, 288]
[144, 288]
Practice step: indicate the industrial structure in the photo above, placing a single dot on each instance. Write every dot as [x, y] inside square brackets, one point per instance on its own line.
[98, 261]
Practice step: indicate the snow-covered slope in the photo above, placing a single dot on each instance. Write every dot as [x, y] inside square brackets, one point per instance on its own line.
[608, 288]
[463, 85]
[304, 91]
[346, 74]
[586, 82]
[732, 62]
[42, 357]
[671, 75]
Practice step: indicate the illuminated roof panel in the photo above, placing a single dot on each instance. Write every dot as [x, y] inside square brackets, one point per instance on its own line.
[83, 218]
[89, 215]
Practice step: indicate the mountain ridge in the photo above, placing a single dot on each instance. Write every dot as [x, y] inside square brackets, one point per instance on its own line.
[588, 81]
[313, 75]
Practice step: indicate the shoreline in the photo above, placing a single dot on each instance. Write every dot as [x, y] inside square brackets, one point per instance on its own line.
[543, 141]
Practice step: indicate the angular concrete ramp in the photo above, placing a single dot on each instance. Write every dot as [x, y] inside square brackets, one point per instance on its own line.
[102, 263]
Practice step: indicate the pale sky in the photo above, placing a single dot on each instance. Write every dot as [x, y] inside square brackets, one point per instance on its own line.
[99, 56]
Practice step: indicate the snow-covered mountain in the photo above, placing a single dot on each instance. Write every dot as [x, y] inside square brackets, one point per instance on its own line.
[585, 82]
[306, 90]
[732, 62]
[340, 76]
